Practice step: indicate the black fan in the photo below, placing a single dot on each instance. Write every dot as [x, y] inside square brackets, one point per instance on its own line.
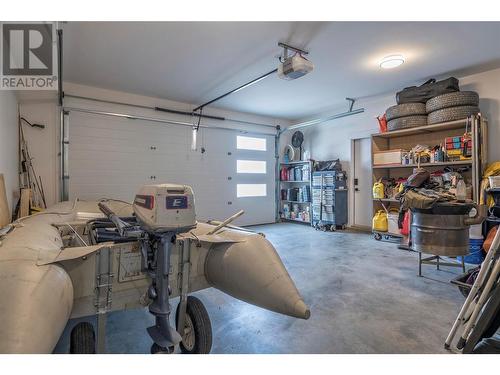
[297, 140]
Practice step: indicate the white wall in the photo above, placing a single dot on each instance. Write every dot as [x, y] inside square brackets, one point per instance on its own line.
[45, 143]
[332, 140]
[9, 145]
[42, 143]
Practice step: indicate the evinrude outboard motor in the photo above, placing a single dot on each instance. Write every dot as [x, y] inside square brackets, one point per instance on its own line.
[161, 211]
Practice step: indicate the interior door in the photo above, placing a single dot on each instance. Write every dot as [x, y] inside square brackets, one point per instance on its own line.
[362, 213]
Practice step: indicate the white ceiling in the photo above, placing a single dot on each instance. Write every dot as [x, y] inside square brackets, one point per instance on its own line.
[194, 62]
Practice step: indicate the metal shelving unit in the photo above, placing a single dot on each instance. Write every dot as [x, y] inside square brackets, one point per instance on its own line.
[431, 135]
[287, 184]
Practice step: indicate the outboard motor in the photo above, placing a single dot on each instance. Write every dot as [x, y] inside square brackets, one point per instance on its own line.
[162, 211]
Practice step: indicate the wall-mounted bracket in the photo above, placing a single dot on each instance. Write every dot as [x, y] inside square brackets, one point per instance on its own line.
[287, 47]
[351, 103]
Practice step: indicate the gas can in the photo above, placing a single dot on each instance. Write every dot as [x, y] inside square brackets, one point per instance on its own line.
[378, 190]
[379, 222]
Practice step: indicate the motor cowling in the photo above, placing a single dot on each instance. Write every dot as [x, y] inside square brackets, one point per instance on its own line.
[165, 207]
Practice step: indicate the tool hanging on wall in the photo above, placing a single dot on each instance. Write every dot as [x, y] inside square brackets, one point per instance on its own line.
[28, 178]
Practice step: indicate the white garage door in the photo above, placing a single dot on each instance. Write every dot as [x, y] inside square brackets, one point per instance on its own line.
[113, 157]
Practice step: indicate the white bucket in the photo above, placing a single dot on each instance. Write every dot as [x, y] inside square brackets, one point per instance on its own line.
[476, 231]
[392, 223]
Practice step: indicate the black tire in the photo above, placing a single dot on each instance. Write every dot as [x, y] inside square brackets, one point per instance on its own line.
[82, 339]
[452, 114]
[404, 110]
[202, 328]
[406, 122]
[377, 236]
[452, 99]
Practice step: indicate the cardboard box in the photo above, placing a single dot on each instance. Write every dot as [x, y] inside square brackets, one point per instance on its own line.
[389, 157]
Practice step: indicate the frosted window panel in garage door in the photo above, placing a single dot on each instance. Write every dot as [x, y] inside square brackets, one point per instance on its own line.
[250, 166]
[250, 143]
[251, 190]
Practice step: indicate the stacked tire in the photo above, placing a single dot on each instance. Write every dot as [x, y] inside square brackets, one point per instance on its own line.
[407, 115]
[442, 108]
[453, 106]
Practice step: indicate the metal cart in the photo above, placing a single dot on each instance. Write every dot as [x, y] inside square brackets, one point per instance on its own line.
[329, 200]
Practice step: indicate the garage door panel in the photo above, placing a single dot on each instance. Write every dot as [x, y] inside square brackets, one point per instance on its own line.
[103, 191]
[87, 164]
[112, 157]
[137, 143]
[206, 173]
[93, 143]
[125, 128]
[257, 178]
[117, 177]
[104, 155]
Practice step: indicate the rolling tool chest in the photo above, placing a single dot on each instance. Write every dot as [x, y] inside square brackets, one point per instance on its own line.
[329, 200]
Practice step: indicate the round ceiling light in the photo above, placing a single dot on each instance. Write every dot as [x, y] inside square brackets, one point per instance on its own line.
[392, 61]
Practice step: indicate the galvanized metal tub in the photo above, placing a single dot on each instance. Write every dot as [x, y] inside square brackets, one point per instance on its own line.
[442, 230]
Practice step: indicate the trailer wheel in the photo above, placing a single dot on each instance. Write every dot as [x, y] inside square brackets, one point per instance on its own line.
[197, 335]
[377, 236]
[82, 339]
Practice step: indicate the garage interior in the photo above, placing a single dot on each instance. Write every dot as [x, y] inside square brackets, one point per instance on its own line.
[365, 153]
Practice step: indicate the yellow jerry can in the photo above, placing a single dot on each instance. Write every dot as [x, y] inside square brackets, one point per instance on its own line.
[378, 190]
[379, 222]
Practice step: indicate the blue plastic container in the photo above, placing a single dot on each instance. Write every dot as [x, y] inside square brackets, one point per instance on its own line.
[476, 255]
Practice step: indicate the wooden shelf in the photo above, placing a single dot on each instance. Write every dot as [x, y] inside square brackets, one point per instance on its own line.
[439, 164]
[298, 162]
[286, 201]
[458, 124]
[298, 182]
[389, 200]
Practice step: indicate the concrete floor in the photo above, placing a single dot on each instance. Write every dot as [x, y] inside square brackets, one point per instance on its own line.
[364, 295]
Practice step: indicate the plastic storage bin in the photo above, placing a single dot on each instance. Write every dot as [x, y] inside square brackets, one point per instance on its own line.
[476, 255]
